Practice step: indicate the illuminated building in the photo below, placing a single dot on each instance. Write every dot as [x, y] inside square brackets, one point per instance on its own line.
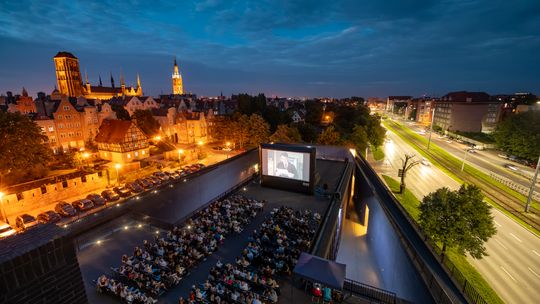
[69, 80]
[121, 141]
[178, 87]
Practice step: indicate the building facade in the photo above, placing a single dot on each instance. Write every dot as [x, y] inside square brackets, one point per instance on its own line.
[121, 141]
[177, 83]
[70, 83]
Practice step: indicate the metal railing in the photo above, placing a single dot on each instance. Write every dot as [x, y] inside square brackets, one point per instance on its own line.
[370, 292]
[514, 186]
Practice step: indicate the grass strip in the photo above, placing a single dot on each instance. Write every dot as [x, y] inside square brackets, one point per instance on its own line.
[411, 204]
[377, 153]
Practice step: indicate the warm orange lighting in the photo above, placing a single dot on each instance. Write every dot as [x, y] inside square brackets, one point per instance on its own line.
[228, 144]
[118, 166]
[180, 151]
[86, 155]
[1, 195]
[200, 143]
[327, 117]
[157, 138]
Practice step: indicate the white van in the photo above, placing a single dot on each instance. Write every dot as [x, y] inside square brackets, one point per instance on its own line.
[6, 230]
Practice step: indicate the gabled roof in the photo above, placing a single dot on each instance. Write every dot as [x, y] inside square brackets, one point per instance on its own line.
[98, 89]
[113, 131]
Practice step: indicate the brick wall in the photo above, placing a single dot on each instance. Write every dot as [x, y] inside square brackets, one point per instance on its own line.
[40, 266]
[26, 201]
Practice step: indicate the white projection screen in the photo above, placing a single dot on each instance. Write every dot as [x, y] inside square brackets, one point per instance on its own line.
[286, 164]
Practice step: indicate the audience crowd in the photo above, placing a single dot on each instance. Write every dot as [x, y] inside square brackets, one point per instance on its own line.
[157, 266]
[271, 252]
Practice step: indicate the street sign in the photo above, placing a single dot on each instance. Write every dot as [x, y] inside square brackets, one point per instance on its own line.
[400, 173]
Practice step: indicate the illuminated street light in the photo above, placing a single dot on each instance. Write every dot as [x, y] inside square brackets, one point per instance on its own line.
[2, 207]
[180, 152]
[117, 167]
[157, 138]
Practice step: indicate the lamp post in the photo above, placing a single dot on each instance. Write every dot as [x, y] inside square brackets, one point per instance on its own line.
[464, 157]
[531, 190]
[180, 152]
[86, 155]
[117, 167]
[228, 144]
[2, 207]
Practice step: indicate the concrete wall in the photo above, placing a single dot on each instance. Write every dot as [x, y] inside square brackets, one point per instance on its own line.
[26, 201]
[40, 266]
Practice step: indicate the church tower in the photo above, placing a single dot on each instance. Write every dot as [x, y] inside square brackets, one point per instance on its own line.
[68, 74]
[177, 85]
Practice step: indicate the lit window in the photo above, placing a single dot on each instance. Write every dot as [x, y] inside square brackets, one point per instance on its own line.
[129, 155]
[51, 129]
[143, 152]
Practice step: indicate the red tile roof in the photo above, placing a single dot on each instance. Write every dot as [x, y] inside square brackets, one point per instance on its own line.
[113, 131]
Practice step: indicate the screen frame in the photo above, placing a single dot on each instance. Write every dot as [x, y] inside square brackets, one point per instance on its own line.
[284, 182]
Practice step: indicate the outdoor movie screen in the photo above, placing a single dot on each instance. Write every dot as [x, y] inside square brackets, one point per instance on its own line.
[286, 164]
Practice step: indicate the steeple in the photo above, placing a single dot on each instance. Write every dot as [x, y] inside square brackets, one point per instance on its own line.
[86, 77]
[100, 82]
[122, 83]
[177, 84]
[138, 81]
[175, 71]
[112, 80]
[24, 92]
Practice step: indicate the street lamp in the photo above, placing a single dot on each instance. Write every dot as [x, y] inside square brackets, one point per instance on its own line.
[180, 152]
[117, 167]
[85, 156]
[533, 183]
[2, 207]
[228, 144]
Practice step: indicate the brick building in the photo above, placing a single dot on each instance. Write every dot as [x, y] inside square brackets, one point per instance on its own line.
[121, 141]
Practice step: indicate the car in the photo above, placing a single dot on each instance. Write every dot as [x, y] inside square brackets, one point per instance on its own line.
[145, 184]
[6, 230]
[156, 181]
[83, 204]
[65, 209]
[110, 195]
[181, 172]
[511, 167]
[425, 162]
[173, 175]
[130, 187]
[96, 199]
[48, 217]
[25, 222]
[226, 149]
[471, 150]
[162, 176]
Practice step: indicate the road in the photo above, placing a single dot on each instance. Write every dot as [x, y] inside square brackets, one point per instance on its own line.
[486, 160]
[513, 265]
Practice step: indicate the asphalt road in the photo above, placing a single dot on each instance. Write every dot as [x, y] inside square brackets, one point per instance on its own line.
[513, 265]
[487, 161]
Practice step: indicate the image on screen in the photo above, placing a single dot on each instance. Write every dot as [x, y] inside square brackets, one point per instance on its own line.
[286, 164]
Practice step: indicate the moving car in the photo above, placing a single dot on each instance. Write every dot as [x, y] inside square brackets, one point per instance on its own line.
[83, 204]
[425, 162]
[48, 217]
[471, 150]
[25, 221]
[511, 167]
[111, 196]
[6, 230]
[65, 209]
[96, 199]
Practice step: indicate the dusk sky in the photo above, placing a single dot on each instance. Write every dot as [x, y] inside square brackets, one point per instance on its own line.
[286, 48]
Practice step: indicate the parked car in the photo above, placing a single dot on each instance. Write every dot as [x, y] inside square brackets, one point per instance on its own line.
[25, 221]
[96, 199]
[156, 181]
[173, 175]
[83, 204]
[162, 176]
[130, 187]
[145, 184]
[65, 209]
[48, 217]
[181, 172]
[111, 196]
[6, 230]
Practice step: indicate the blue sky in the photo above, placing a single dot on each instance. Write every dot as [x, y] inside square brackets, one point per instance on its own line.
[293, 48]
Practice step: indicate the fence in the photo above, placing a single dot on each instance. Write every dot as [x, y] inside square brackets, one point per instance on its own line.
[367, 291]
[512, 185]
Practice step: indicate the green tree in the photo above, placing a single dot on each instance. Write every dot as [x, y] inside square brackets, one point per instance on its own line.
[259, 130]
[359, 138]
[346, 117]
[520, 135]
[286, 134]
[121, 112]
[240, 128]
[458, 219]
[148, 124]
[314, 111]
[22, 148]
[375, 131]
[329, 137]
[308, 132]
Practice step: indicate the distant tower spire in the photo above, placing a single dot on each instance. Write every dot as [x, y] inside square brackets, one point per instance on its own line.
[177, 84]
[138, 81]
[112, 80]
[24, 92]
[100, 82]
[86, 76]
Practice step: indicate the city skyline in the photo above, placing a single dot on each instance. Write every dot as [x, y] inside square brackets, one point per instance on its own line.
[301, 48]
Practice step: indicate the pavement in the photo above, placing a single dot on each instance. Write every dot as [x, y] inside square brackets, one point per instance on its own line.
[513, 265]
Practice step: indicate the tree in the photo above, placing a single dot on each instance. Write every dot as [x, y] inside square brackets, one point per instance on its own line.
[22, 148]
[329, 137]
[458, 219]
[375, 131]
[259, 130]
[146, 122]
[286, 134]
[519, 135]
[121, 112]
[359, 138]
[314, 111]
[346, 117]
[406, 165]
[240, 128]
[307, 131]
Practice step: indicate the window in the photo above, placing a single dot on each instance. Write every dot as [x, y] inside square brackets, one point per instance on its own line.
[59, 117]
[143, 152]
[128, 155]
[136, 153]
[66, 108]
[51, 129]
